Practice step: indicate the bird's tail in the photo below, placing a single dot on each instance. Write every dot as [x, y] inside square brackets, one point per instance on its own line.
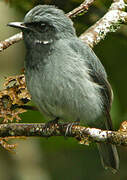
[109, 156]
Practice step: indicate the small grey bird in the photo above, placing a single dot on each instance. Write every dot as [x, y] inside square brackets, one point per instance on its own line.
[63, 75]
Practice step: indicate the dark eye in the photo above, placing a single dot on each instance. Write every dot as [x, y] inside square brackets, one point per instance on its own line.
[37, 24]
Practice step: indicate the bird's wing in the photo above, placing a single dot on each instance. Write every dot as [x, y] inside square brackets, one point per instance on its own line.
[97, 74]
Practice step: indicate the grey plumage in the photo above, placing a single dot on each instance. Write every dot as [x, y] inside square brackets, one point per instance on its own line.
[64, 76]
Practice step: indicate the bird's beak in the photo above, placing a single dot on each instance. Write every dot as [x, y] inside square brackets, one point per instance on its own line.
[19, 25]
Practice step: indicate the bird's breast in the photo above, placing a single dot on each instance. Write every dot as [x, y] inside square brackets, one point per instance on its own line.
[65, 90]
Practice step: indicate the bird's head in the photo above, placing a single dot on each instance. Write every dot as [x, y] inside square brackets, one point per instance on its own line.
[44, 24]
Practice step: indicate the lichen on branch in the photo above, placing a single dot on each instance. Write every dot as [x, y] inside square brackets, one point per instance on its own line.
[84, 135]
[13, 98]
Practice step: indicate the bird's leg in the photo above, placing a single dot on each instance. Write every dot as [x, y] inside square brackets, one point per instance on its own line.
[69, 127]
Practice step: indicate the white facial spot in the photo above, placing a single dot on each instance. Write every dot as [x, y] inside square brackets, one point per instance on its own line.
[42, 42]
[45, 42]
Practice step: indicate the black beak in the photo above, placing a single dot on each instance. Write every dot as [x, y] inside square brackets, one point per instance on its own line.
[19, 25]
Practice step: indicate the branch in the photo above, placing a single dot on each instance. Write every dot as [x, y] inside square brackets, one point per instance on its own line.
[110, 22]
[84, 135]
[83, 7]
[10, 41]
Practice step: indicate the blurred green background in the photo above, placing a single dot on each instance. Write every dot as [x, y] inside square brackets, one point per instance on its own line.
[60, 158]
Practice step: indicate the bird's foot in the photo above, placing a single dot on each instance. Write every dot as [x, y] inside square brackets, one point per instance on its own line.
[69, 127]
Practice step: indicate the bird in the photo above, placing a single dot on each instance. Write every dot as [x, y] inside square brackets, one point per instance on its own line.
[65, 78]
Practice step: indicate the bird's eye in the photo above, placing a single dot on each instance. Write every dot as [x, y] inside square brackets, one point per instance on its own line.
[36, 24]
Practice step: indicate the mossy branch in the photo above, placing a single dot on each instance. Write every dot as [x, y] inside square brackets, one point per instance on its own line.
[84, 135]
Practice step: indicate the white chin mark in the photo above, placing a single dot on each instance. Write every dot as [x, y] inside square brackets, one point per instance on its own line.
[42, 42]
[45, 42]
